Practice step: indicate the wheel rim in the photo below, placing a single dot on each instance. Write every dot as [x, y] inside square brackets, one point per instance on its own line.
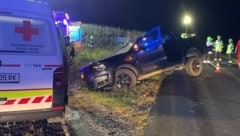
[123, 80]
[196, 66]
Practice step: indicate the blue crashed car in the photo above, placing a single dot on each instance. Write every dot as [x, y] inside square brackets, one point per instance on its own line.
[153, 53]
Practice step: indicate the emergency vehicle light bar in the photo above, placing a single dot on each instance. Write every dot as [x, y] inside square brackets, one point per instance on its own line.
[39, 1]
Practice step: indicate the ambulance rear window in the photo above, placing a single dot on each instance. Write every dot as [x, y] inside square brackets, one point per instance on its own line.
[26, 36]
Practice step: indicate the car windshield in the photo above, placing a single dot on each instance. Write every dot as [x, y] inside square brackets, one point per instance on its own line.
[148, 38]
[124, 48]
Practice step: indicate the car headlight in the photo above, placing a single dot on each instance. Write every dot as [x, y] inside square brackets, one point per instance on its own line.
[82, 75]
[99, 67]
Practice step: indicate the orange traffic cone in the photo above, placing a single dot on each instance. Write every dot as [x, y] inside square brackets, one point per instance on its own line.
[218, 69]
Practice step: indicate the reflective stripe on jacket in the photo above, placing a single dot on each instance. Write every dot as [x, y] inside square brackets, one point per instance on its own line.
[218, 46]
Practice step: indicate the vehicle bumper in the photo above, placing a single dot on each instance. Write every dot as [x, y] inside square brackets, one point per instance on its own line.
[30, 115]
[98, 80]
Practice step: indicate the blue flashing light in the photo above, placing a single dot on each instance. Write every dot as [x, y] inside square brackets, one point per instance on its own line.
[67, 16]
[62, 19]
[39, 1]
[61, 16]
[65, 22]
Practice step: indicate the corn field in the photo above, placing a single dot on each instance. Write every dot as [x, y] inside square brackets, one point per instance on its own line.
[105, 36]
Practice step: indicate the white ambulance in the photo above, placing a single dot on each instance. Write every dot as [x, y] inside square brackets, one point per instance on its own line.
[33, 65]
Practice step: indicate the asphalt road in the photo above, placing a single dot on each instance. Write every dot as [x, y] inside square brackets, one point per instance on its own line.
[208, 105]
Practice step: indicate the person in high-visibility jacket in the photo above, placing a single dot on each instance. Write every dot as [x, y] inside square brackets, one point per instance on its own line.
[91, 44]
[218, 48]
[209, 49]
[237, 50]
[230, 48]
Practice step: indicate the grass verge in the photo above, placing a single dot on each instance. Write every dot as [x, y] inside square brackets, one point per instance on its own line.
[133, 104]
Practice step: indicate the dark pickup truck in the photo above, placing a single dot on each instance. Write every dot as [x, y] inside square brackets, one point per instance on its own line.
[153, 53]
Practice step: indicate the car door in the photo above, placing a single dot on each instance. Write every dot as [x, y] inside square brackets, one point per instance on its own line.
[151, 55]
[172, 48]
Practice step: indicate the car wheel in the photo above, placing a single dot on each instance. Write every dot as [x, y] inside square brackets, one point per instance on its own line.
[194, 66]
[125, 78]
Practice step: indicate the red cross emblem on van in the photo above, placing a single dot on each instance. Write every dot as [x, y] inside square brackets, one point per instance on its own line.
[26, 30]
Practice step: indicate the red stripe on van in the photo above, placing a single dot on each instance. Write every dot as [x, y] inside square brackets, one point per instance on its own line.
[51, 65]
[34, 100]
[37, 99]
[49, 99]
[10, 102]
[11, 65]
[24, 101]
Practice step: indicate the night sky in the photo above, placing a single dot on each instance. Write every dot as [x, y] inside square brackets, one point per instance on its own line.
[210, 17]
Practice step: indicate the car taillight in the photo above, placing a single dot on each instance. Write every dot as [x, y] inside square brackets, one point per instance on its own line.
[58, 79]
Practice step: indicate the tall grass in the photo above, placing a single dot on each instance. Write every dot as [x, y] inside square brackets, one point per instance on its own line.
[87, 55]
[105, 41]
[105, 37]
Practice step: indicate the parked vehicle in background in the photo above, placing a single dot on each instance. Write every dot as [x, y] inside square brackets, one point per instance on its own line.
[33, 62]
[154, 53]
[74, 32]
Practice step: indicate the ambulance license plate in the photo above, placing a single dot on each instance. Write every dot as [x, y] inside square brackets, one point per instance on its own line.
[9, 77]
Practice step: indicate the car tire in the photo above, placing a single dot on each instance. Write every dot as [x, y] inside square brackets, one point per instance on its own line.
[194, 66]
[125, 78]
